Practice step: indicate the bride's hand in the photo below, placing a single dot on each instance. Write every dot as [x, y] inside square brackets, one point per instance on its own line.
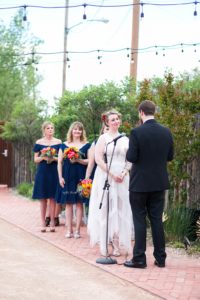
[117, 178]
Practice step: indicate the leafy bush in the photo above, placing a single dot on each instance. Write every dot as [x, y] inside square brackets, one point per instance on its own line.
[179, 223]
[25, 189]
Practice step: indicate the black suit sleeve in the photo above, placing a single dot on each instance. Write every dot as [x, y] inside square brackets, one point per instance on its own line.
[171, 149]
[133, 150]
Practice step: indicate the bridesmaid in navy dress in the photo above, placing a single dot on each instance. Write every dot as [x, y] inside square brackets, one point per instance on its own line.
[70, 173]
[46, 178]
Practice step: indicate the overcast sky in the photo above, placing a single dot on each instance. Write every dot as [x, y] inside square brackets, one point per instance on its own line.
[161, 26]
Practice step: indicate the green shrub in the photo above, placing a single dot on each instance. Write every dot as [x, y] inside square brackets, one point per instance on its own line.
[179, 223]
[25, 189]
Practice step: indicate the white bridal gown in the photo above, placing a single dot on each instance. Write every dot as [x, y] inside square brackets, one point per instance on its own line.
[120, 215]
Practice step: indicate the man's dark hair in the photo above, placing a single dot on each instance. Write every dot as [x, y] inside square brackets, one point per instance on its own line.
[148, 107]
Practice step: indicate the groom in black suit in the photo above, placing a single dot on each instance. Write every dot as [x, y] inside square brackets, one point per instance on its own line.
[150, 147]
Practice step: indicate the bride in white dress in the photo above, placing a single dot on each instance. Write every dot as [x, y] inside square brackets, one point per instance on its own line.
[120, 222]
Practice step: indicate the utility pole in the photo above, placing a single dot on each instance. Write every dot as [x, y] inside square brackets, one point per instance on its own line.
[135, 39]
[65, 47]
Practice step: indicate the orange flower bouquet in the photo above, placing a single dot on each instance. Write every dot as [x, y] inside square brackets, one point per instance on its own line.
[72, 153]
[48, 152]
[84, 187]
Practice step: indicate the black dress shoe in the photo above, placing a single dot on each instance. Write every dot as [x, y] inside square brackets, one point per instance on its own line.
[56, 221]
[133, 264]
[160, 265]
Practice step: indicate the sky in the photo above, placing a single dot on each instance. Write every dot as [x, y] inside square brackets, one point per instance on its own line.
[161, 26]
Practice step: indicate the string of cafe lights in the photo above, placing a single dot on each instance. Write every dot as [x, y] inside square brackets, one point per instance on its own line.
[151, 48]
[100, 53]
[85, 5]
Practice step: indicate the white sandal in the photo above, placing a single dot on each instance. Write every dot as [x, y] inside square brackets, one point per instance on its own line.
[77, 235]
[116, 252]
[68, 235]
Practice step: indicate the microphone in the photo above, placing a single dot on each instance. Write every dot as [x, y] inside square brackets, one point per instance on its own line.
[118, 137]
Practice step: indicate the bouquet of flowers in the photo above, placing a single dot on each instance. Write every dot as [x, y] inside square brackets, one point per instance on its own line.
[71, 153]
[48, 152]
[84, 187]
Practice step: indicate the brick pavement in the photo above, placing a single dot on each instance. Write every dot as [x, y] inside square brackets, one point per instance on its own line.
[180, 279]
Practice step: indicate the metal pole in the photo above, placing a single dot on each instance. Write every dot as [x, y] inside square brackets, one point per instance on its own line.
[135, 39]
[65, 47]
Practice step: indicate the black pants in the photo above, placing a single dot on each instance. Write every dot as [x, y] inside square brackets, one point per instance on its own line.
[151, 203]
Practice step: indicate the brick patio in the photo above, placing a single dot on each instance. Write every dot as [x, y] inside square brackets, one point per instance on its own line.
[180, 279]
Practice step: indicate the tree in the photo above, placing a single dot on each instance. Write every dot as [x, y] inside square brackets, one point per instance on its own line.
[88, 105]
[20, 106]
[178, 101]
[18, 78]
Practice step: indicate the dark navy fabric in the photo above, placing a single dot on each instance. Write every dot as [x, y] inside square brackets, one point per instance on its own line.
[46, 177]
[72, 173]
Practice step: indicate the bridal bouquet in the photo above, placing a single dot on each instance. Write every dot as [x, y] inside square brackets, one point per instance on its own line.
[71, 153]
[48, 152]
[84, 187]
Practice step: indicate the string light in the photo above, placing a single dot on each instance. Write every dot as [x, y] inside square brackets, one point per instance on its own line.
[99, 57]
[138, 50]
[106, 6]
[84, 14]
[182, 48]
[142, 13]
[163, 51]
[127, 55]
[24, 14]
[195, 9]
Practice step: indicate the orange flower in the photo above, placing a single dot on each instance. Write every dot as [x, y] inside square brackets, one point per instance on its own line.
[71, 153]
[48, 152]
[84, 187]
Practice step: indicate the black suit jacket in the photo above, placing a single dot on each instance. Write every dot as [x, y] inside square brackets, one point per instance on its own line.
[150, 147]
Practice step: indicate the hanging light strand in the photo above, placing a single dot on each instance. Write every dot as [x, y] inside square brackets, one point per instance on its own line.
[129, 51]
[104, 5]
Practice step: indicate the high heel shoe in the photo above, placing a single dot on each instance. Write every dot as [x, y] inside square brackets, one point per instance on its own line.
[56, 221]
[47, 221]
[68, 235]
[115, 248]
[43, 229]
[52, 229]
[77, 234]
[116, 253]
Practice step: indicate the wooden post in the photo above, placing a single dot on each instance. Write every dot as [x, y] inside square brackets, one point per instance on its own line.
[135, 39]
[65, 47]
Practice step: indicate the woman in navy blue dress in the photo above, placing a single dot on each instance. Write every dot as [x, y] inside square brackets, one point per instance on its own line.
[46, 177]
[70, 173]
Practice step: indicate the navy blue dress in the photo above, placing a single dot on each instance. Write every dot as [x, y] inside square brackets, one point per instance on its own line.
[46, 177]
[95, 165]
[72, 173]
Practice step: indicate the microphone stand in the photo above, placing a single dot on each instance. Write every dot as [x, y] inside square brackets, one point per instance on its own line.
[107, 260]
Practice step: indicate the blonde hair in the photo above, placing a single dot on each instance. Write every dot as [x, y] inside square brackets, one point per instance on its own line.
[103, 128]
[105, 115]
[80, 126]
[45, 124]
